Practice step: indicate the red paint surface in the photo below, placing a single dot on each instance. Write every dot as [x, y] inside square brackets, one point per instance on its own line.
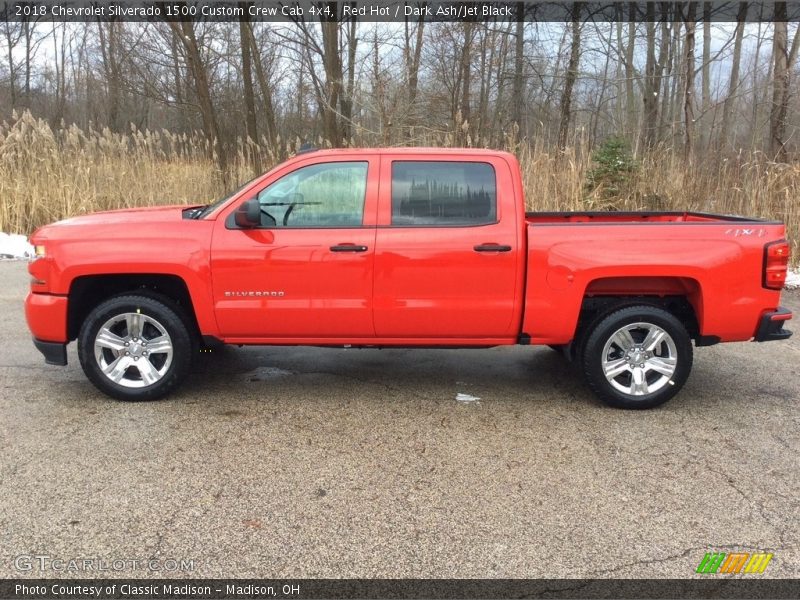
[414, 285]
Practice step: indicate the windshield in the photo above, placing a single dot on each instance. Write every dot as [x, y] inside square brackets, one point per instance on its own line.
[209, 208]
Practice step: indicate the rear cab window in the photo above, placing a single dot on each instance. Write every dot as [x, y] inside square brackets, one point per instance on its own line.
[443, 194]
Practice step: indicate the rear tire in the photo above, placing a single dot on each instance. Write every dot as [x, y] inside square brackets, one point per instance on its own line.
[135, 348]
[637, 357]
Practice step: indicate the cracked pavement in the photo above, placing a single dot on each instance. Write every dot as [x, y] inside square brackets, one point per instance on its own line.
[309, 462]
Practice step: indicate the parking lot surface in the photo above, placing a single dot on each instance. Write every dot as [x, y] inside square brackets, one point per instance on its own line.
[308, 462]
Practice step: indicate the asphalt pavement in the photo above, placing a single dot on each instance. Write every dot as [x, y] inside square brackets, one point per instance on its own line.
[308, 462]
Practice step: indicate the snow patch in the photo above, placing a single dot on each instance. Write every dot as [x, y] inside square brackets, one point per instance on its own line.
[466, 398]
[266, 373]
[793, 280]
[15, 245]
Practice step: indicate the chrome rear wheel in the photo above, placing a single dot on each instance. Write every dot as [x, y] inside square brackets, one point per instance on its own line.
[637, 356]
[639, 359]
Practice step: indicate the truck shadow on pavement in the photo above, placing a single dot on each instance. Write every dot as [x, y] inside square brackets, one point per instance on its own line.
[325, 374]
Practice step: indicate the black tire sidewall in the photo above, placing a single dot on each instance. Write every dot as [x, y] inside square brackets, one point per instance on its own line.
[595, 342]
[166, 316]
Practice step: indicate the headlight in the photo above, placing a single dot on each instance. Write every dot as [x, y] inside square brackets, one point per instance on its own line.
[39, 251]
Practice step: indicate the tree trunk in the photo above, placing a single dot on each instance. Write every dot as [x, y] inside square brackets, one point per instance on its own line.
[630, 98]
[780, 85]
[519, 41]
[466, 74]
[247, 83]
[412, 58]
[603, 86]
[688, 110]
[650, 99]
[733, 84]
[28, 30]
[665, 111]
[332, 65]
[346, 101]
[659, 84]
[570, 76]
[267, 110]
[379, 91]
[12, 81]
[110, 54]
[185, 32]
[705, 112]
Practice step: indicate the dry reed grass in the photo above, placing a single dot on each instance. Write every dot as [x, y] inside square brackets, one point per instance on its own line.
[47, 174]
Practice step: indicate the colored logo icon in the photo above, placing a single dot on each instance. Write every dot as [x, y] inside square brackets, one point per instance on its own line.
[734, 562]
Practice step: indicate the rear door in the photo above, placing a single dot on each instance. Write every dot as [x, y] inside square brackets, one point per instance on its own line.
[447, 250]
[307, 271]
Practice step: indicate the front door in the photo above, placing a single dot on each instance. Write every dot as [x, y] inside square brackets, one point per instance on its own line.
[307, 272]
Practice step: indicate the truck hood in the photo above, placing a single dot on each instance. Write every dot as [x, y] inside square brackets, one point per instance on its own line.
[151, 214]
[112, 219]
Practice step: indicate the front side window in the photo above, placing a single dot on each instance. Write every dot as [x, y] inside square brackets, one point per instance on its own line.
[324, 195]
[438, 193]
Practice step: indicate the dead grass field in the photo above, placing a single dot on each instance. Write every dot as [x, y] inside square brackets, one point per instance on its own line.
[47, 174]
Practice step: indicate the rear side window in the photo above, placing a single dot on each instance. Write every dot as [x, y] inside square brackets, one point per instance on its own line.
[440, 194]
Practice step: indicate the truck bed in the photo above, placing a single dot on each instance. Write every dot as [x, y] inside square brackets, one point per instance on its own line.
[634, 217]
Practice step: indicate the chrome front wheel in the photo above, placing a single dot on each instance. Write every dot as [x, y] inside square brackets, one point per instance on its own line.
[133, 350]
[136, 347]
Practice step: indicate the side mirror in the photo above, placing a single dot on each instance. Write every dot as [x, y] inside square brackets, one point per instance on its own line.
[248, 215]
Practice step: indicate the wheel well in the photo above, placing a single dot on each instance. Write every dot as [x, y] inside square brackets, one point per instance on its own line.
[87, 292]
[596, 308]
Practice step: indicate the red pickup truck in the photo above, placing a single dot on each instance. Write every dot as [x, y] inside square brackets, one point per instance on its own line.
[402, 247]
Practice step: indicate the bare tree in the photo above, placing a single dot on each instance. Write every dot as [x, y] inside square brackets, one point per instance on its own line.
[267, 105]
[111, 54]
[780, 85]
[705, 107]
[570, 76]
[185, 32]
[247, 79]
[519, 64]
[688, 90]
[412, 53]
[733, 82]
[12, 32]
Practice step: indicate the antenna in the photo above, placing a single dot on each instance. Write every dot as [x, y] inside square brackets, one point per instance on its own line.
[307, 147]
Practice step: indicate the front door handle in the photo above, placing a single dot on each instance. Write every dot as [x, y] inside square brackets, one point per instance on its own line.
[491, 248]
[348, 248]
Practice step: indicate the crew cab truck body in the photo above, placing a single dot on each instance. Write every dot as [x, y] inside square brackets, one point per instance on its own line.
[402, 247]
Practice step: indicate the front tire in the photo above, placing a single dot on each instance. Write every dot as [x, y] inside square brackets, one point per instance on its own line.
[134, 348]
[637, 357]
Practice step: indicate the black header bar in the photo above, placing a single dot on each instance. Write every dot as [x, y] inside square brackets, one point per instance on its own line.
[711, 586]
[390, 11]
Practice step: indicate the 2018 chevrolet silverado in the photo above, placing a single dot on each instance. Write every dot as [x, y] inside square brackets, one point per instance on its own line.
[402, 247]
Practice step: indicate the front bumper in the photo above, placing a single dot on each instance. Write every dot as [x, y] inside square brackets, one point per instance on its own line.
[47, 316]
[770, 328]
[55, 353]
[47, 319]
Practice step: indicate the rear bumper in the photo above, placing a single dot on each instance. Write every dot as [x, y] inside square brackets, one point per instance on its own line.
[55, 353]
[770, 328]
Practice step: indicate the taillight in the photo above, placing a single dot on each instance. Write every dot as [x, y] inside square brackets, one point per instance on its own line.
[776, 264]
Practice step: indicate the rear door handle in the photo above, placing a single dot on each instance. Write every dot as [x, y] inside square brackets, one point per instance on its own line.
[348, 248]
[491, 248]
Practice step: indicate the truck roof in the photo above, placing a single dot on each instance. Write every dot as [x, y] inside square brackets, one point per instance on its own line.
[410, 150]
